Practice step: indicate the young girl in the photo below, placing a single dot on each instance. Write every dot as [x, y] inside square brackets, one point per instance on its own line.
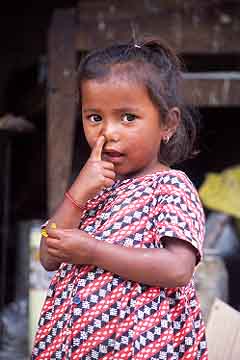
[129, 231]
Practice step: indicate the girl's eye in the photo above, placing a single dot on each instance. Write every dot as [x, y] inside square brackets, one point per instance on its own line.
[129, 117]
[94, 118]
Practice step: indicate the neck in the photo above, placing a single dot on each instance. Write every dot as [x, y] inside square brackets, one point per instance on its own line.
[158, 167]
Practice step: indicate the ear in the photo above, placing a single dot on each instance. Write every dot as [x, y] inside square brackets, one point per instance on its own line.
[172, 121]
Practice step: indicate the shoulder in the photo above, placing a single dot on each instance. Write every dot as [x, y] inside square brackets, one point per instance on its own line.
[174, 178]
[174, 186]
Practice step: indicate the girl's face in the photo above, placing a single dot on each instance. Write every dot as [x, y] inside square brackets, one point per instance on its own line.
[122, 111]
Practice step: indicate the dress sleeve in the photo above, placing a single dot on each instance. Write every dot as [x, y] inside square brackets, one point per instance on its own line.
[178, 211]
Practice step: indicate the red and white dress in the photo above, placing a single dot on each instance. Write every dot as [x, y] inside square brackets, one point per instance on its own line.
[91, 313]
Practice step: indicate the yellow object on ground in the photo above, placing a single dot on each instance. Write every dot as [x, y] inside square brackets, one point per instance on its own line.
[221, 191]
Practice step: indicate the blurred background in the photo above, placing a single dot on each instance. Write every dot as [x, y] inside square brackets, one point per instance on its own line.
[42, 146]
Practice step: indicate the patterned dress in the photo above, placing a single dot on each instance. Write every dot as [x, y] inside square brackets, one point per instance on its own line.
[90, 313]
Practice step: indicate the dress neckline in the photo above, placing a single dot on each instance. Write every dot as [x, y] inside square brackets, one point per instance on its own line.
[151, 175]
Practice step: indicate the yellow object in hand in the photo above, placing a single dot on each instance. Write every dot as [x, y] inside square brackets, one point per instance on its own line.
[44, 232]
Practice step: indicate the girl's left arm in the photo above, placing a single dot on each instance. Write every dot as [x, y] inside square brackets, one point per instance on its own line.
[171, 266]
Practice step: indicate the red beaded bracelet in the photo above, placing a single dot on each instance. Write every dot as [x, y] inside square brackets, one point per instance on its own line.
[73, 201]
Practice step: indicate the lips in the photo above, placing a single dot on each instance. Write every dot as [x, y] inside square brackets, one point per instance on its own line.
[112, 155]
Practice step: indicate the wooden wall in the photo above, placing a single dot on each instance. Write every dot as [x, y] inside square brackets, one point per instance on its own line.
[204, 26]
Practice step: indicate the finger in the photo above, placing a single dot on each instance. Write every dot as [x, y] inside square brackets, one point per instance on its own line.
[97, 149]
[55, 233]
[55, 254]
[108, 165]
[109, 174]
[52, 243]
[108, 182]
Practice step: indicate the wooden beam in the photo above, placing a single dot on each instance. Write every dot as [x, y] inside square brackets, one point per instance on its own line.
[61, 102]
[212, 89]
[189, 26]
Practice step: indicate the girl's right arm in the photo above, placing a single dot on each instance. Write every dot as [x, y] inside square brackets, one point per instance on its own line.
[94, 176]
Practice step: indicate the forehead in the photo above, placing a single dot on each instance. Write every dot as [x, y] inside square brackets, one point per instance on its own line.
[114, 89]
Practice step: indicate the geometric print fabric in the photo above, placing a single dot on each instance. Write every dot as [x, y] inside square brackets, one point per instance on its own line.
[90, 313]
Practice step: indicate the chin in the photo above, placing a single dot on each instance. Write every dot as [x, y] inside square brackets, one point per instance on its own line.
[125, 173]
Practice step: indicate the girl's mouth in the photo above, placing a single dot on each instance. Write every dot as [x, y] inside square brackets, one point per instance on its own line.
[112, 156]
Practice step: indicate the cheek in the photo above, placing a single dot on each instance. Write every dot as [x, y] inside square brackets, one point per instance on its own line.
[141, 139]
[91, 135]
[147, 145]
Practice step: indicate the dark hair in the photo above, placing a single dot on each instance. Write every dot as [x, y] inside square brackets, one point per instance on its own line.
[156, 65]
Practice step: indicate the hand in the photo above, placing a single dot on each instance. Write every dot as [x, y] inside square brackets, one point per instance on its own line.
[95, 175]
[73, 246]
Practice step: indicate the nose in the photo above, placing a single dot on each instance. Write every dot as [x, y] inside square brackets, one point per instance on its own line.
[110, 131]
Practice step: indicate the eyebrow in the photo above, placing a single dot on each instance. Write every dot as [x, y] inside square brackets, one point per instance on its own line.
[116, 110]
[91, 110]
